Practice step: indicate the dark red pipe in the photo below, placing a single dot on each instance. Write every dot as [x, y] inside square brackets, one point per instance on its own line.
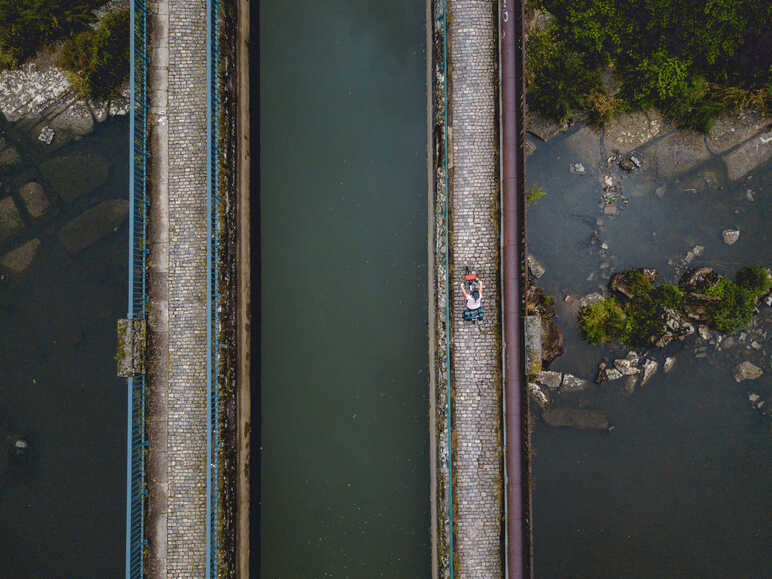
[513, 265]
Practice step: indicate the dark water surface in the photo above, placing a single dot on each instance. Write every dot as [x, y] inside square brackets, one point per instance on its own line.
[344, 463]
[62, 510]
[681, 487]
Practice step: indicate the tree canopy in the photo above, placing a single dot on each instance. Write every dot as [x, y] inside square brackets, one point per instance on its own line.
[690, 58]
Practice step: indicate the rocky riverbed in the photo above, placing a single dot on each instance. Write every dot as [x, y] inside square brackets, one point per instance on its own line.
[631, 188]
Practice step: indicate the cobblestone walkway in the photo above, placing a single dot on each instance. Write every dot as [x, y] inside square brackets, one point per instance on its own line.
[474, 241]
[187, 426]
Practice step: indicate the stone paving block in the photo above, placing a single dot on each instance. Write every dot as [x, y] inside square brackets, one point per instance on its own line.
[474, 240]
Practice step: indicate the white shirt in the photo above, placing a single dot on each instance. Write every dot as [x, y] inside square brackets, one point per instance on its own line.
[473, 304]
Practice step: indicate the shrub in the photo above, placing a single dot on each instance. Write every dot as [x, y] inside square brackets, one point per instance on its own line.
[558, 77]
[735, 309]
[98, 59]
[604, 321]
[693, 60]
[27, 25]
[754, 279]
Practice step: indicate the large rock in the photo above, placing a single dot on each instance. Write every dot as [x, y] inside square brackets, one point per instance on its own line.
[700, 276]
[619, 284]
[626, 366]
[748, 156]
[676, 327]
[677, 153]
[573, 383]
[747, 371]
[543, 127]
[649, 369]
[35, 200]
[697, 306]
[30, 90]
[550, 379]
[93, 225]
[552, 345]
[730, 236]
[631, 130]
[10, 220]
[76, 174]
[22, 257]
[533, 344]
[731, 130]
[669, 363]
[537, 269]
[590, 300]
[538, 395]
[575, 418]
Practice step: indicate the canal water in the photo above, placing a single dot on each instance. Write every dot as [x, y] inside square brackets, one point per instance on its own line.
[343, 374]
[62, 507]
[680, 487]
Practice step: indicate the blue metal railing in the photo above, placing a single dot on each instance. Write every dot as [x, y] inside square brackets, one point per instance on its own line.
[212, 294]
[136, 440]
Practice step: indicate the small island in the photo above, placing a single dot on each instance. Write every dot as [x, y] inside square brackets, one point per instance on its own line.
[640, 313]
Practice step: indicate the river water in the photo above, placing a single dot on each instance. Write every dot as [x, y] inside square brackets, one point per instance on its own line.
[680, 487]
[343, 372]
[62, 507]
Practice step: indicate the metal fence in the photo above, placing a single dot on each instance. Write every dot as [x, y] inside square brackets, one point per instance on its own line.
[212, 293]
[136, 439]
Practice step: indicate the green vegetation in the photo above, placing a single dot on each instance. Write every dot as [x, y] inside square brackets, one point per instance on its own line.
[557, 78]
[27, 25]
[604, 321]
[755, 279]
[737, 305]
[98, 59]
[637, 318]
[691, 59]
[535, 193]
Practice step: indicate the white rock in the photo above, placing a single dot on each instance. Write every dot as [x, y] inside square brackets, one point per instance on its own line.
[590, 299]
[613, 374]
[550, 379]
[626, 367]
[747, 371]
[649, 368]
[577, 168]
[46, 135]
[538, 395]
[537, 269]
[668, 365]
[704, 332]
[730, 236]
[573, 383]
[753, 397]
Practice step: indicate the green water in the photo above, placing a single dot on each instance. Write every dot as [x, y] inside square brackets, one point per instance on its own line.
[343, 370]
